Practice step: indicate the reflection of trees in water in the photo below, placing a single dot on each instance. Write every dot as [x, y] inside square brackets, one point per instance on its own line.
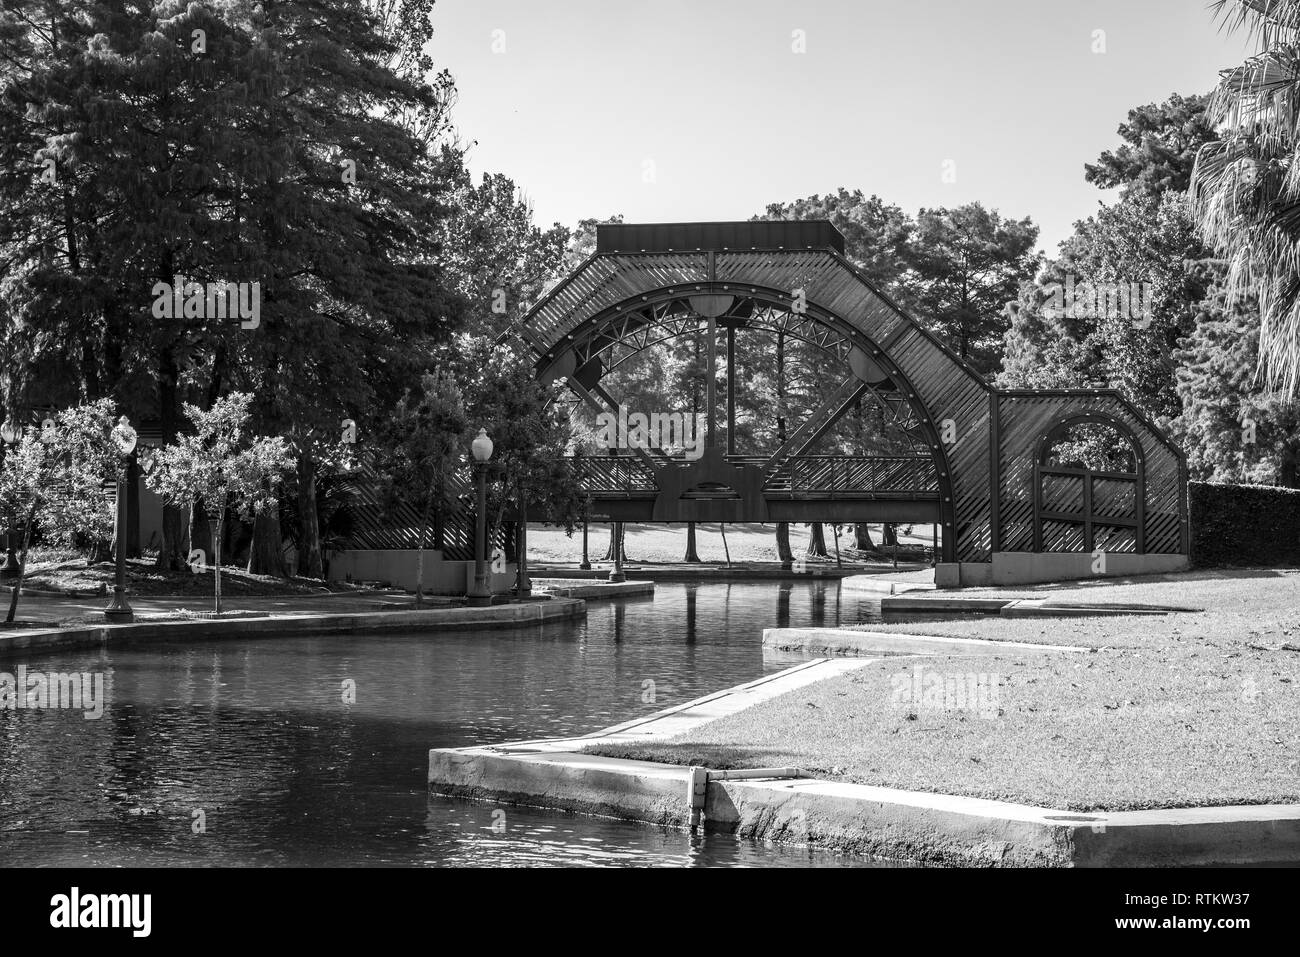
[255, 733]
[783, 604]
[171, 740]
[690, 614]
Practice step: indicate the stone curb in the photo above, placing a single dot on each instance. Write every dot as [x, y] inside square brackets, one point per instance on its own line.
[827, 642]
[564, 588]
[882, 585]
[1021, 607]
[95, 636]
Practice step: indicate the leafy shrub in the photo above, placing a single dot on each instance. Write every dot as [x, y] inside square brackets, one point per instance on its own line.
[1244, 524]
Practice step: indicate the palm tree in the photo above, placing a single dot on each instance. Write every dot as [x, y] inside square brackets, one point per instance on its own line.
[1245, 189]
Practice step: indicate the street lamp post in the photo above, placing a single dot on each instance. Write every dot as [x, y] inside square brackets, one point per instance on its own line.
[480, 592]
[124, 437]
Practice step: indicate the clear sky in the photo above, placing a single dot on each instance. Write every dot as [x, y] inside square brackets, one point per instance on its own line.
[585, 94]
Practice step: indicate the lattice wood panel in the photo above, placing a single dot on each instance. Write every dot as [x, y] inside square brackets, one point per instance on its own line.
[942, 386]
[1025, 419]
[373, 527]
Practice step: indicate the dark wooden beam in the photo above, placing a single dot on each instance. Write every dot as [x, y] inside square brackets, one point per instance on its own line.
[731, 389]
[818, 423]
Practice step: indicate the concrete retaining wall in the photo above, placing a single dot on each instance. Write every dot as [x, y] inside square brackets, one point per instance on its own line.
[435, 619]
[877, 821]
[559, 774]
[1029, 568]
[397, 566]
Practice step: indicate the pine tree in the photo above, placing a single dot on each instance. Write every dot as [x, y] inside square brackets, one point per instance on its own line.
[1234, 429]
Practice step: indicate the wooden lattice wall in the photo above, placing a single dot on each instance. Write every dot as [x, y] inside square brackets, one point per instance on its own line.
[986, 474]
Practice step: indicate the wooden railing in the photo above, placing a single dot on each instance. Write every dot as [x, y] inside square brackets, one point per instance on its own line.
[821, 474]
[811, 474]
[631, 477]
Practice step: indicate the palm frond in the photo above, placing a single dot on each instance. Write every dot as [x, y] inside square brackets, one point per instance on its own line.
[1245, 188]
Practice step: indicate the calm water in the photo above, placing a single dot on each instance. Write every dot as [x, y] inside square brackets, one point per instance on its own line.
[253, 740]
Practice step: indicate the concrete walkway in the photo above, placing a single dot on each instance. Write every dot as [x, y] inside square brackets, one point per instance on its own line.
[692, 714]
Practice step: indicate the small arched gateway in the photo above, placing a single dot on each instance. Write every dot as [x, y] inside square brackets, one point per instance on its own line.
[980, 465]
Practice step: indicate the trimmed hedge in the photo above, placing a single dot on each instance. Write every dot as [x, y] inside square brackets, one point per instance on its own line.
[1256, 525]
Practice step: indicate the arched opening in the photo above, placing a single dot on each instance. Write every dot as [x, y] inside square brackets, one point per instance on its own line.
[1089, 487]
[867, 449]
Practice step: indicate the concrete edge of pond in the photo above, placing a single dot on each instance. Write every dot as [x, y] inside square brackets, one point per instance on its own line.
[883, 584]
[877, 821]
[514, 615]
[595, 590]
[883, 822]
[848, 642]
[1021, 607]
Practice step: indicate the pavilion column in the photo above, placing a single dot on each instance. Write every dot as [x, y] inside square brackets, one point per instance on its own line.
[711, 385]
[731, 389]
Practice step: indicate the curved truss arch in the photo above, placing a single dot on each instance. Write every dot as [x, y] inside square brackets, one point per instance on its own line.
[982, 440]
[617, 339]
[633, 325]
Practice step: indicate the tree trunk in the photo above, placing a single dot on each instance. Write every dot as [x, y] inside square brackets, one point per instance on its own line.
[615, 541]
[783, 544]
[691, 554]
[176, 543]
[218, 533]
[199, 529]
[817, 542]
[1288, 469]
[22, 565]
[266, 552]
[862, 537]
[439, 530]
[523, 585]
[310, 562]
[419, 558]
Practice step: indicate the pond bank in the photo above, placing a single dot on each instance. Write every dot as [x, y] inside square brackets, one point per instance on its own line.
[281, 624]
[792, 805]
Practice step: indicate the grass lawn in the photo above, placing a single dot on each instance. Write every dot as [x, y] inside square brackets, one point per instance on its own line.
[1189, 709]
[666, 543]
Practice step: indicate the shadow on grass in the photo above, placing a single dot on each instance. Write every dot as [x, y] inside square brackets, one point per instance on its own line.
[1200, 575]
[714, 757]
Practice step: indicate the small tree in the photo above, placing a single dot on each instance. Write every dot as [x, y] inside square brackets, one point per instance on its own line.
[25, 481]
[222, 467]
[84, 461]
[423, 448]
[528, 428]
